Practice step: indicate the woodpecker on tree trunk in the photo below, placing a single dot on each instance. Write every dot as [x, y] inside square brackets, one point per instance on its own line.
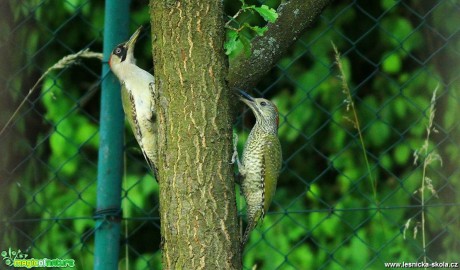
[261, 161]
[137, 92]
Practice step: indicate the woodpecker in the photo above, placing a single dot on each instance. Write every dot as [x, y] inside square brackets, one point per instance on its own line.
[137, 91]
[261, 161]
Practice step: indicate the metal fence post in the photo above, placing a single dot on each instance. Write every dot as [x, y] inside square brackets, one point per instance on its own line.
[110, 164]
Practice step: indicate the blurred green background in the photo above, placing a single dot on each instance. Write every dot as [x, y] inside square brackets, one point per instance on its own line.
[326, 213]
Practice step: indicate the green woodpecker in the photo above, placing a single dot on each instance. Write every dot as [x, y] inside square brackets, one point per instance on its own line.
[137, 90]
[261, 161]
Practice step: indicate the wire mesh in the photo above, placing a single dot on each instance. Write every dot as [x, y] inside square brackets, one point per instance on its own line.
[347, 198]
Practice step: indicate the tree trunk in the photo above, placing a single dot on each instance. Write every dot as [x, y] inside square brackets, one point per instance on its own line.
[197, 191]
[197, 195]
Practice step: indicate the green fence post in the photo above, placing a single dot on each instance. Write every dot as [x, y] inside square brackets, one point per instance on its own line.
[110, 164]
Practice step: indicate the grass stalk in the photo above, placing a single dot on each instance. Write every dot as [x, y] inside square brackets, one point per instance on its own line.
[355, 120]
[429, 157]
[64, 62]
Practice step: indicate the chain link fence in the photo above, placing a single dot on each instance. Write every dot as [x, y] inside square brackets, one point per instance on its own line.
[369, 175]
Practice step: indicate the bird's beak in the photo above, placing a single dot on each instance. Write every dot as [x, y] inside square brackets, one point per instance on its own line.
[248, 100]
[132, 40]
[245, 96]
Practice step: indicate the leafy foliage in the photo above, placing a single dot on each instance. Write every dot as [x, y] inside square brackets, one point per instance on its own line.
[238, 39]
[324, 215]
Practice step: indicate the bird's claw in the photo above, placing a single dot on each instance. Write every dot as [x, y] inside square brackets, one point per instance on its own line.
[234, 157]
[235, 148]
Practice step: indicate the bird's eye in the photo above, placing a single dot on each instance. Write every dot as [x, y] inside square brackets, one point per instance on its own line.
[118, 50]
[263, 103]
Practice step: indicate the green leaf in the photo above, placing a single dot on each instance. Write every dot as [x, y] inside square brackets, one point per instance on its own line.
[402, 154]
[378, 133]
[386, 162]
[259, 30]
[387, 4]
[396, 31]
[400, 107]
[392, 64]
[268, 13]
[246, 45]
[314, 192]
[232, 42]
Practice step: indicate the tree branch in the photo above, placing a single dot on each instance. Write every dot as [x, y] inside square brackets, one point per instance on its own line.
[294, 17]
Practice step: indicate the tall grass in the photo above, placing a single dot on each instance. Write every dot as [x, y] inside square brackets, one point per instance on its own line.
[428, 156]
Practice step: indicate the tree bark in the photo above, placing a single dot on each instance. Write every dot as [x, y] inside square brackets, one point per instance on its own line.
[197, 190]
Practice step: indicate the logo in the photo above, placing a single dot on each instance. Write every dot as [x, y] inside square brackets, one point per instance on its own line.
[15, 258]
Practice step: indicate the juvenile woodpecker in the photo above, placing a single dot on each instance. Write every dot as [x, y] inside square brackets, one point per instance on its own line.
[261, 161]
[137, 91]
